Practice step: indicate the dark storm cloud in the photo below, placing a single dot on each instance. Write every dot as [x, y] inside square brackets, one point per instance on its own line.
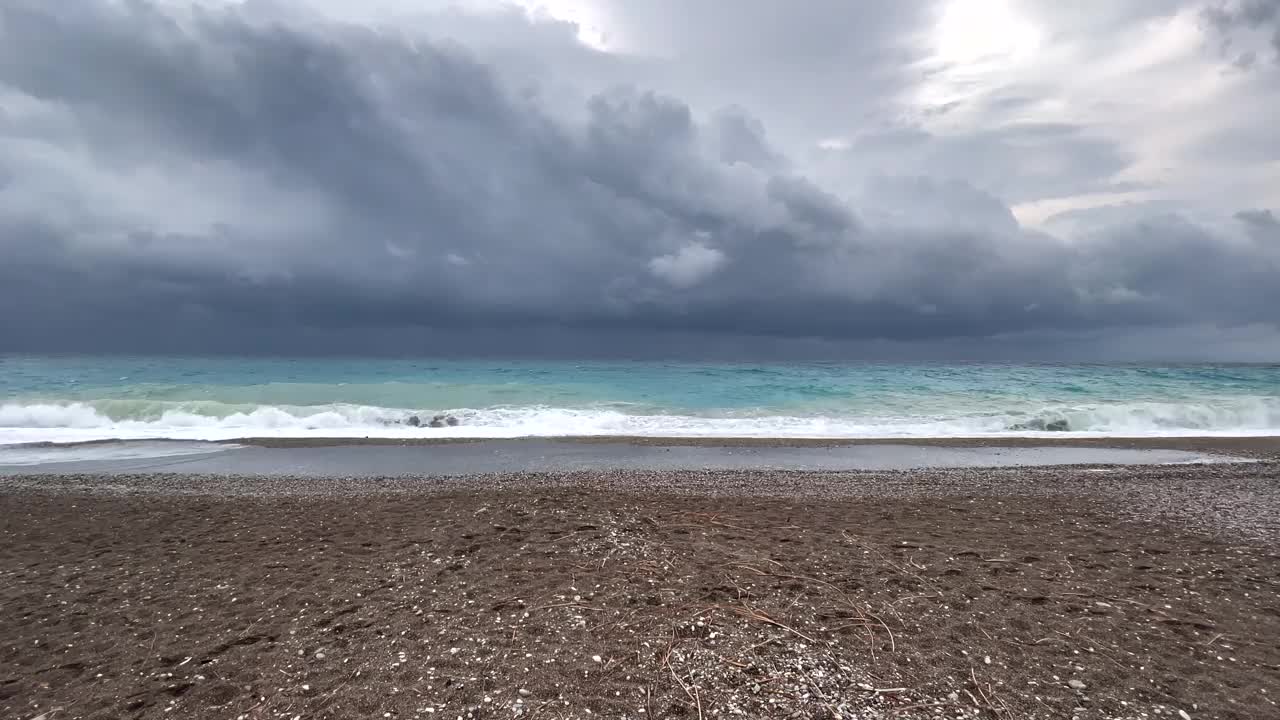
[1230, 19]
[203, 179]
[1262, 225]
[1260, 219]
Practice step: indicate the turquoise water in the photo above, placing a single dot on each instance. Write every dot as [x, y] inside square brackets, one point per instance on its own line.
[215, 398]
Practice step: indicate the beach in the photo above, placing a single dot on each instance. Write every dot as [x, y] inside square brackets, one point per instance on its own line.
[590, 359]
[1087, 591]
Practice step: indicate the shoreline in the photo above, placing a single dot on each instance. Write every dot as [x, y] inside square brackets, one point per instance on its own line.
[967, 593]
[1250, 445]
[1253, 446]
[379, 459]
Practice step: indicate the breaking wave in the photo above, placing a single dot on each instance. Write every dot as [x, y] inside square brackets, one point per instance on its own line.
[25, 422]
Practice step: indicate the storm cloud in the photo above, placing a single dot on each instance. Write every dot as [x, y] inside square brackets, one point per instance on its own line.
[206, 176]
[1247, 18]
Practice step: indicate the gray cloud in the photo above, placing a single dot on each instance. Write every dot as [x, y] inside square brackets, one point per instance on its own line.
[1259, 219]
[1232, 19]
[805, 68]
[1018, 162]
[207, 179]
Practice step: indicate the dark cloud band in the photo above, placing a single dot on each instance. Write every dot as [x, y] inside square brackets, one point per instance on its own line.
[165, 169]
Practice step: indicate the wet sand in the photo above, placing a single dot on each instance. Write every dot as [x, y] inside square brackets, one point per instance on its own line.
[1259, 446]
[379, 458]
[1115, 592]
[1248, 446]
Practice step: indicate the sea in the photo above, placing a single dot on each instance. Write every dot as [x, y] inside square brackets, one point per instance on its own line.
[73, 399]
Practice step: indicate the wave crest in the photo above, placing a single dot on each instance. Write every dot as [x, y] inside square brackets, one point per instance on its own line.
[210, 420]
[1252, 415]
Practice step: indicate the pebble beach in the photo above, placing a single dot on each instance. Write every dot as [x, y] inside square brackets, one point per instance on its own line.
[1060, 592]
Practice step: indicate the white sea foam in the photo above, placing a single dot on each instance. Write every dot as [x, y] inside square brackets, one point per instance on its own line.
[70, 422]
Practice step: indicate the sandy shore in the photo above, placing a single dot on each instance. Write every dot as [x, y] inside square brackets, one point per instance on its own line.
[1048, 593]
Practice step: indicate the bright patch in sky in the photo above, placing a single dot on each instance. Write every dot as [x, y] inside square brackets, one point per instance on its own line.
[983, 31]
[975, 46]
[590, 26]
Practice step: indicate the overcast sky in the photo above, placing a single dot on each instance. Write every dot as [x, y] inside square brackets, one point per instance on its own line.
[929, 179]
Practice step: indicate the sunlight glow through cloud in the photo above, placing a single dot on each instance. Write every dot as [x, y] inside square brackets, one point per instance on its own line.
[590, 25]
[983, 32]
[974, 44]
